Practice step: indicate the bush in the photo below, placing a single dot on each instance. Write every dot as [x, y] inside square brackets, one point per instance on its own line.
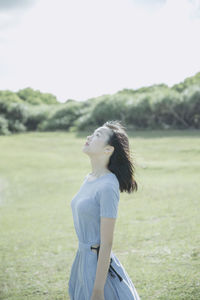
[139, 113]
[4, 126]
[109, 108]
[35, 97]
[17, 126]
[17, 111]
[9, 97]
[35, 118]
[191, 101]
[62, 118]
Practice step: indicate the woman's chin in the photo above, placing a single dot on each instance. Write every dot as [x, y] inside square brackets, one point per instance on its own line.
[84, 148]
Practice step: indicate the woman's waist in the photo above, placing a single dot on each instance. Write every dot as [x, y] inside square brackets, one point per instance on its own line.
[88, 245]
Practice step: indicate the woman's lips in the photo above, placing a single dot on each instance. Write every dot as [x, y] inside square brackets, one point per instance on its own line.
[87, 143]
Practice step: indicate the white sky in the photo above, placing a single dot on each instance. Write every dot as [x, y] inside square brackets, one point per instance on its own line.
[80, 49]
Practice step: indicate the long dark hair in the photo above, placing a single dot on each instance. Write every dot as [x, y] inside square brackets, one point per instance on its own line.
[120, 162]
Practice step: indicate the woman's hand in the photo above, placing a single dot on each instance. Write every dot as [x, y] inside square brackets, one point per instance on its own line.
[97, 295]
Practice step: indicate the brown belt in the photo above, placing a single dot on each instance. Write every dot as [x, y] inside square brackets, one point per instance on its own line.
[111, 269]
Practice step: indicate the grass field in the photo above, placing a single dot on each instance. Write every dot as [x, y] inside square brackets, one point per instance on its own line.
[157, 233]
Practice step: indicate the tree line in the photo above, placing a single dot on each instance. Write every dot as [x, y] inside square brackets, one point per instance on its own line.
[154, 107]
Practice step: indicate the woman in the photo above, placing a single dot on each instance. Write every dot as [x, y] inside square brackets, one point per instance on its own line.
[96, 272]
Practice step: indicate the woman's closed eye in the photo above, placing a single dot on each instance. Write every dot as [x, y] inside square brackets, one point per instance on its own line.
[95, 133]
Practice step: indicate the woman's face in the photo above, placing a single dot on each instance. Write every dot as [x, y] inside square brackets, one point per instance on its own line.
[97, 142]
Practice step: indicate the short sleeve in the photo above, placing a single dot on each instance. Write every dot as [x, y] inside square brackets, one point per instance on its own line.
[108, 200]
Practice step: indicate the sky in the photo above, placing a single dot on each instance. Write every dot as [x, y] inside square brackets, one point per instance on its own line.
[79, 49]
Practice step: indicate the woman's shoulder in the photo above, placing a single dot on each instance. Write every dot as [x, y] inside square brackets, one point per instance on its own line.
[110, 180]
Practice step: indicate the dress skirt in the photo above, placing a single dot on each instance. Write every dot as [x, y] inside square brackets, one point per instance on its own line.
[83, 272]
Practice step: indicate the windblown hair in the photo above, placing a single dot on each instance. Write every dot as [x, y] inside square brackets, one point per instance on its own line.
[120, 162]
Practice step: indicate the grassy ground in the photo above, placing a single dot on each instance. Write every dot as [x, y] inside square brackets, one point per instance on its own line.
[157, 234]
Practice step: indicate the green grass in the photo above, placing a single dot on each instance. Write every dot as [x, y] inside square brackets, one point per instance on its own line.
[157, 233]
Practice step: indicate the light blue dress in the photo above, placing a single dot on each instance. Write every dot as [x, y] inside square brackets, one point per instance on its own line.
[95, 199]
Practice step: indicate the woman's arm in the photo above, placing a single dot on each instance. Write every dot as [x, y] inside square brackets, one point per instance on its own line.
[107, 232]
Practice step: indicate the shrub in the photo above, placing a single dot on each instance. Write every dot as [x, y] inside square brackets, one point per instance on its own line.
[62, 118]
[4, 126]
[35, 118]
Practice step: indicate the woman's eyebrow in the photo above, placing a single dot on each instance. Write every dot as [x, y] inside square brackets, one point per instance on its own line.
[98, 131]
